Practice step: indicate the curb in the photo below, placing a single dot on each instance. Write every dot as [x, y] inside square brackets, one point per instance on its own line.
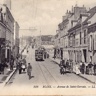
[8, 78]
[76, 74]
[86, 79]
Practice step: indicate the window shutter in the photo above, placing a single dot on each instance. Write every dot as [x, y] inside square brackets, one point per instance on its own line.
[95, 42]
[88, 43]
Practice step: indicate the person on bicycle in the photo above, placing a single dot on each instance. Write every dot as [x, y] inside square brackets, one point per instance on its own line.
[29, 70]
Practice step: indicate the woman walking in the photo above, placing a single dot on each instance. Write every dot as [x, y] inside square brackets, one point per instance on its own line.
[29, 69]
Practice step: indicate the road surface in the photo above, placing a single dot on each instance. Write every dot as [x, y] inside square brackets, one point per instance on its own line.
[45, 74]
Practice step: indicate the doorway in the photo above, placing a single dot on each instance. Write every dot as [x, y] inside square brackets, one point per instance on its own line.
[85, 55]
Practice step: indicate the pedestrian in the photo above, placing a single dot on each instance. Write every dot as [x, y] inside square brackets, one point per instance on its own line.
[11, 64]
[77, 71]
[83, 68]
[90, 66]
[29, 70]
[71, 66]
[62, 70]
[62, 66]
[67, 64]
[20, 67]
[2, 68]
[86, 67]
[80, 66]
[94, 68]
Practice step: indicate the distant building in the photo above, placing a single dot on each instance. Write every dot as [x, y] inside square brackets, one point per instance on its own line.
[44, 40]
[22, 43]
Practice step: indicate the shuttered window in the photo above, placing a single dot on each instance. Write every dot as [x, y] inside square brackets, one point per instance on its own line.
[95, 42]
[90, 43]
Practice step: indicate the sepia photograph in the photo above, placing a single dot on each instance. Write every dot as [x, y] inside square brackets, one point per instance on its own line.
[48, 47]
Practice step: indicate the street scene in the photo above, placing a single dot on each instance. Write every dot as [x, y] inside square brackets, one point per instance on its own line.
[45, 73]
[47, 44]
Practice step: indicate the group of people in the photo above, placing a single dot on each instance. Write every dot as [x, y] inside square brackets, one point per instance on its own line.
[87, 68]
[77, 67]
[5, 64]
[22, 67]
[66, 66]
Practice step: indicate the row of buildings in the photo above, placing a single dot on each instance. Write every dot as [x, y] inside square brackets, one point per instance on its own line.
[9, 34]
[44, 40]
[37, 41]
[75, 38]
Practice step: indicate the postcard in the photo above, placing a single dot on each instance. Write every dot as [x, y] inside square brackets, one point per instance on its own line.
[48, 47]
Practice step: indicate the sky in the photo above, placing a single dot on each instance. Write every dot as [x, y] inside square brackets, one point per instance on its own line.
[43, 15]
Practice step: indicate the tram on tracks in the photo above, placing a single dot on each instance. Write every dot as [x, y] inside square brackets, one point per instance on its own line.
[39, 54]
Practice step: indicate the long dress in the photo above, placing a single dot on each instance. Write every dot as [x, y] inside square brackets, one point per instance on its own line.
[77, 71]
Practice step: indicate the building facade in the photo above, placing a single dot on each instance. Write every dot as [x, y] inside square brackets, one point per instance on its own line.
[16, 39]
[7, 31]
[76, 35]
[2, 37]
[69, 20]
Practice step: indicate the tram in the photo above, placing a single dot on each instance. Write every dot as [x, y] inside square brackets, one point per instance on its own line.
[39, 54]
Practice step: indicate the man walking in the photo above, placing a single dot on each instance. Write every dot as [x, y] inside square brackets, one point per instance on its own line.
[29, 70]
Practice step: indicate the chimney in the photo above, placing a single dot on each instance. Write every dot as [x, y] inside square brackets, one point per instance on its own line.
[72, 9]
[8, 4]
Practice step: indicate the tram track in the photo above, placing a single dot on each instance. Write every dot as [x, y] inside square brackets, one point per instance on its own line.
[42, 73]
[42, 65]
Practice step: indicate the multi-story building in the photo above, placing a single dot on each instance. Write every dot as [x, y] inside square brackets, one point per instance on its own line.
[92, 35]
[82, 38]
[2, 36]
[8, 21]
[69, 20]
[78, 41]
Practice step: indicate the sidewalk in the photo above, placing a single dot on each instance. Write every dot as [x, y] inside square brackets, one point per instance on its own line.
[90, 78]
[4, 78]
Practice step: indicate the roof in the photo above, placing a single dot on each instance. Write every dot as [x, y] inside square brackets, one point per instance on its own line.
[92, 11]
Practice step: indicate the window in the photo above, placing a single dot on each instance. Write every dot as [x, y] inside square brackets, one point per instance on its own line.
[90, 43]
[85, 34]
